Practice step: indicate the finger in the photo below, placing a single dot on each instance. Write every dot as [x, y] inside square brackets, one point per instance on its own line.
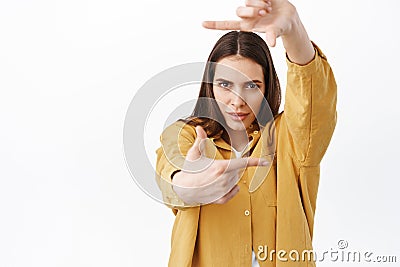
[257, 3]
[235, 164]
[264, 12]
[222, 25]
[195, 151]
[247, 12]
[268, 2]
[263, 7]
[224, 199]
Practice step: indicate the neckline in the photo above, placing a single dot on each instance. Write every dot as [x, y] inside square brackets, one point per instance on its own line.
[240, 153]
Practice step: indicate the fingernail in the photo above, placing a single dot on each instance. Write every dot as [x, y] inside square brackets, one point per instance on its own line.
[205, 24]
[262, 12]
[264, 163]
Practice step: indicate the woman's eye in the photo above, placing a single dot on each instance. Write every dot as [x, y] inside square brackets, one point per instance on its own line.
[223, 84]
[252, 86]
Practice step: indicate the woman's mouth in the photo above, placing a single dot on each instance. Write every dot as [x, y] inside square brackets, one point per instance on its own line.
[238, 116]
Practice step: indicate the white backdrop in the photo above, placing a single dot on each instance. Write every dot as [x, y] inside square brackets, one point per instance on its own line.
[68, 71]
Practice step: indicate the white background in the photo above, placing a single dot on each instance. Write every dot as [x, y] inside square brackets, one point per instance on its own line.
[68, 71]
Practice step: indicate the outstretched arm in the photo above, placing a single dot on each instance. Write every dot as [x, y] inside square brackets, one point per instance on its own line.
[275, 18]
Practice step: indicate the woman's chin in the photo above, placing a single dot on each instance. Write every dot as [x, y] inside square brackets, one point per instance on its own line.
[236, 126]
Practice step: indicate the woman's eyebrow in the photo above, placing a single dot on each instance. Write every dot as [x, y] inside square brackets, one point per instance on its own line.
[256, 81]
[225, 80]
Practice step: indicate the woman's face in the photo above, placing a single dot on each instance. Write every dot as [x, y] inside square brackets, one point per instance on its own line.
[239, 90]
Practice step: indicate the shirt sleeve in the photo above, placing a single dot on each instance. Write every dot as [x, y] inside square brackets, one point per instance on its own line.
[175, 140]
[310, 108]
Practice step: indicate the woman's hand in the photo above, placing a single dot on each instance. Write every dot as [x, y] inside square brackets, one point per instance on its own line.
[275, 18]
[204, 181]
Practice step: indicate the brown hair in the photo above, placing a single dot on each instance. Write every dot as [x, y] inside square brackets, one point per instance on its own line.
[249, 45]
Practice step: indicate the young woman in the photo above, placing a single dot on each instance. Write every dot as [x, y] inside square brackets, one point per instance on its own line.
[241, 178]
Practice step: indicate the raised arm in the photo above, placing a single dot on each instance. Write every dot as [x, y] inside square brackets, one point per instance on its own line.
[310, 101]
[309, 118]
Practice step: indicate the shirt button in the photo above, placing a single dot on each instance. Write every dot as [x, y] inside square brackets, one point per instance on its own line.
[247, 212]
[244, 181]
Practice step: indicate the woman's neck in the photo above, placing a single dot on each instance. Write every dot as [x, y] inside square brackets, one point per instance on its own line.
[239, 139]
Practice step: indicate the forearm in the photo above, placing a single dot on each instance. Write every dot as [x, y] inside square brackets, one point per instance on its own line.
[297, 43]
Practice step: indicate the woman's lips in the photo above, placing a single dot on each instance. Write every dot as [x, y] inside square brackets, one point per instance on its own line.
[238, 116]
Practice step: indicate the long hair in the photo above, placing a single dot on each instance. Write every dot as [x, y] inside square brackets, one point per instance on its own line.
[246, 44]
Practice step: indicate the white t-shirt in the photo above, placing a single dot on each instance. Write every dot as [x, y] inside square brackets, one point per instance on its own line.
[254, 262]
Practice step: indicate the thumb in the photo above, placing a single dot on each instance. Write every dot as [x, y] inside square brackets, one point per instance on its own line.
[270, 38]
[196, 150]
[270, 34]
[200, 133]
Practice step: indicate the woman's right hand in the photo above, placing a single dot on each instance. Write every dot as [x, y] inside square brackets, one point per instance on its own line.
[204, 180]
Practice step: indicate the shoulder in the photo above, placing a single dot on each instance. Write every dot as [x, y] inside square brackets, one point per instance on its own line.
[179, 129]
[278, 119]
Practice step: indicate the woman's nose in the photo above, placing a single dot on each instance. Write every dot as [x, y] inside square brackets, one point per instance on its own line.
[236, 99]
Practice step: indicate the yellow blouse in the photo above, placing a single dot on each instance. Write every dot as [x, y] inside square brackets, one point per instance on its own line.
[273, 213]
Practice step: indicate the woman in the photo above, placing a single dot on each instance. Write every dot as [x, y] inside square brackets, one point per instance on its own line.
[242, 179]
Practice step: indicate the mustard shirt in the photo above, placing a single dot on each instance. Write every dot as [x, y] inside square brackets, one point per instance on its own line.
[277, 213]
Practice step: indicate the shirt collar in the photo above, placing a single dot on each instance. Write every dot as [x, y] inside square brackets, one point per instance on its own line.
[253, 132]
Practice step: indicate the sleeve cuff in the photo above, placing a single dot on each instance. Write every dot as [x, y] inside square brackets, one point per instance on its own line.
[310, 67]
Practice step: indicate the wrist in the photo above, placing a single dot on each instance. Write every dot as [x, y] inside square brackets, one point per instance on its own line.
[186, 194]
[298, 46]
[293, 22]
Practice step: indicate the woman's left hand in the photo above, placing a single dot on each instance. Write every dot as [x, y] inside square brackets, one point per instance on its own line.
[276, 18]
[273, 17]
